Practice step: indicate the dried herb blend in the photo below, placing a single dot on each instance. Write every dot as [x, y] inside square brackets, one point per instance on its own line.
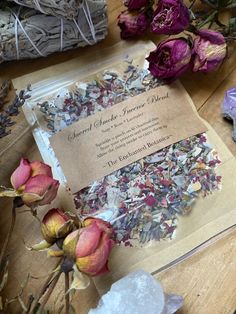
[144, 199]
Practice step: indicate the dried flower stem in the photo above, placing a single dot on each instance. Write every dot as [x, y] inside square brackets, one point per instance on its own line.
[192, 4]
[43, 290]
[67, 294]
[209, 19]
[49, 292]
[8, 238]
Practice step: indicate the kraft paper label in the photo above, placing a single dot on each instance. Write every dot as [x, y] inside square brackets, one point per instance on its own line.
[113, 138]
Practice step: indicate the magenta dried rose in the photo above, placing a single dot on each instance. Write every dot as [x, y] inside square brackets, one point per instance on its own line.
[170, 17]
[135, 4]
[132, 24]
[170, 59]
[209, 50]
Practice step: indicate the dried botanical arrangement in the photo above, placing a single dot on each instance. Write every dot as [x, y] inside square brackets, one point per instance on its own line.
[202, 46]
[83, 247]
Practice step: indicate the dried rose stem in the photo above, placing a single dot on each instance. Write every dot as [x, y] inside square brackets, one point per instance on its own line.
[67, 294]
[49, 292]
[43, 290]
[29, 304]
[8, 238]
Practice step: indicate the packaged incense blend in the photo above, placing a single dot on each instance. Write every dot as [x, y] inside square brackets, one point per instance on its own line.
[132, 151]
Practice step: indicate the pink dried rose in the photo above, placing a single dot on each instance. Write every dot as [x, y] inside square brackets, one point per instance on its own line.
[135, 4]
[209, 50]
[33, 181]
[56, 224]
[90, 246]
[132, 24]
[170, 17]
[170, 59]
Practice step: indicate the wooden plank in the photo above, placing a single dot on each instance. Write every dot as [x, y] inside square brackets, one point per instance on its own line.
[211, 111]
[201, 86]
[206, 280]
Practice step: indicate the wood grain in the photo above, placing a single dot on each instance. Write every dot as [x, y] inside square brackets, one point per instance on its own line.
[212, 112]
[207, 280]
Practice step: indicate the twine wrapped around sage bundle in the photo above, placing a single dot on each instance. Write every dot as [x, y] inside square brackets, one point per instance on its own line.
[27, 33]
[63, 8]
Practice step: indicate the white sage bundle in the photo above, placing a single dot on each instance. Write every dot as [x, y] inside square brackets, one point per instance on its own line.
[27, 33]
[63, 8]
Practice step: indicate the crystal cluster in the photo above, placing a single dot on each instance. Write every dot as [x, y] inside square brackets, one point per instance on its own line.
[137, 293]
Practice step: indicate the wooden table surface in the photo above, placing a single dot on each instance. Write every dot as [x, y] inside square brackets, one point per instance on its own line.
[207, 280]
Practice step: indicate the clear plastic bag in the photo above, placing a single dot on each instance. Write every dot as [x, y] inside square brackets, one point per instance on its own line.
[142, 200]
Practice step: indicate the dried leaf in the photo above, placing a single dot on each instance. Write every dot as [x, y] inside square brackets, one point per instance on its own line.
[232, 24]
[80, 281]
[55, 253]
[43, 245]
[9, 193]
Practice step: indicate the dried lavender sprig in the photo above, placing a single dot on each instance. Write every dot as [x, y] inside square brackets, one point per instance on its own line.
[4, 90]
[12, 110]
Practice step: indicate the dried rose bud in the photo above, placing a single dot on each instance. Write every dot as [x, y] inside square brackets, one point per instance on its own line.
[56, 225]
[34, 183]
[132, 24]
[135, 4]
[90, 246]
[209, 50]
[170, 17]
[170, 59]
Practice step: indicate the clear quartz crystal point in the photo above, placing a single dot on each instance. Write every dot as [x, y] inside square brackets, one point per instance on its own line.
[137, 293]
